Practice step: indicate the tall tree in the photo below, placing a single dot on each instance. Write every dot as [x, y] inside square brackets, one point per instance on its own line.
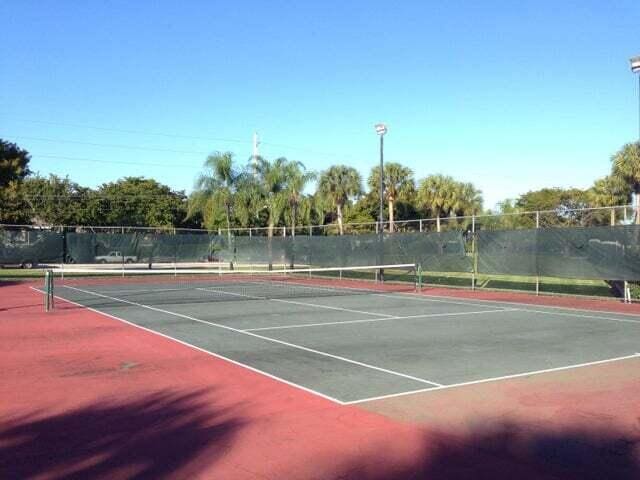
[469, 199]
[296, 179]
[138, 201]
[438, 195]
[273, 181]
[338, 185]
[58, 201]
[609, 191]
[14, 163]
[626, 166]
[248, 200]
[561, 206]
[398, 183]
[215, 189]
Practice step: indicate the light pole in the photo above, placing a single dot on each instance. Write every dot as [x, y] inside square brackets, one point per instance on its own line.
[381, 129]
[635, 68]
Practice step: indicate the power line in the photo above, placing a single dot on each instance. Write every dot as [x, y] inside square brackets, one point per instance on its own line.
[190, 137]
[110, 145]
[136, 132]
[121, 162]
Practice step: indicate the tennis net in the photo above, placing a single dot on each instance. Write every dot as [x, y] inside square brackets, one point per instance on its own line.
[99, 287]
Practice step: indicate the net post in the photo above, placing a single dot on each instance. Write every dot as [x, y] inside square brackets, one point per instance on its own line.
[48, 290]
[418, 282]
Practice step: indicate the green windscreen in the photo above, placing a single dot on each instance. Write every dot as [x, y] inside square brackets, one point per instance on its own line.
[20, 247]
[610, 253]
[141, 248]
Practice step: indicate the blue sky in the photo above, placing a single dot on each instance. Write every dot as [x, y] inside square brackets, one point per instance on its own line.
[511, 96]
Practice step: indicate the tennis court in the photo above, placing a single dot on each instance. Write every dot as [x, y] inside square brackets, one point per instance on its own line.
[352, 340]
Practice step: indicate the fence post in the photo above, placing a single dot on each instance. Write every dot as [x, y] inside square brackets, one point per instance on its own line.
[421, 225]
[627, 292]
[473, 252]
[537, 276]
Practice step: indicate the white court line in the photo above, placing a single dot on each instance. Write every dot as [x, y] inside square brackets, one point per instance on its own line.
[448, 300]
[233, 294]
[493, 379]
[568, 311]
[295, 303]
[269, 339]
[148, 290]
[368, 320]
[208, 352]
[445, 299]
[386, 315]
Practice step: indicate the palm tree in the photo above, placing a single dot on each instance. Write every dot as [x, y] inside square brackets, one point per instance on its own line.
[248, 199]
[296, 178]
[469, 199]
[215, 188]
[272, 177]
[626, 167]
[439, 195]
[398, 182]
[337, 185]
[609, 191]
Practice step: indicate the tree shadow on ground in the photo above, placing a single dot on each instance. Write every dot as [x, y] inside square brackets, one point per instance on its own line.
[512, 451]
[161, 435]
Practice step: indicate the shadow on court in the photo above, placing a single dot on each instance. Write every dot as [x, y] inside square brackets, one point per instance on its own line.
[162, 435]
[508, 451]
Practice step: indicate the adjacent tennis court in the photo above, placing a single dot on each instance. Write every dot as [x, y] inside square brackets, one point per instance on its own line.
[351, 340]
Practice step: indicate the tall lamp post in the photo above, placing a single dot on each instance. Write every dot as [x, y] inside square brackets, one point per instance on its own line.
[381, 129]
[635, 68]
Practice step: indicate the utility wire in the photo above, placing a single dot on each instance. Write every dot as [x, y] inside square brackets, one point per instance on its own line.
[137, 132]
[121, 162]
[110, 145]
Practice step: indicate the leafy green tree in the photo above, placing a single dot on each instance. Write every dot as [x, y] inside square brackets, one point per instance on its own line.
[273, 183]
[607, 192]
[338, 185]
[14, 163]
[13, 208]
[398, 184]
[296, 179]
[552, 199]
[138, 201]
[58, 201]
[469, 200]
[441, 195]
[215, 190]
[248, 201]
[560, 206]
[437, 195]
[507, 216]
[626, 167]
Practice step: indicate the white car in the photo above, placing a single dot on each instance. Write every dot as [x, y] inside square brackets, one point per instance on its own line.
[115, 257]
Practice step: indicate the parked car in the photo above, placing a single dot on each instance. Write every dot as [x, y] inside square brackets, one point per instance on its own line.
[115, 257]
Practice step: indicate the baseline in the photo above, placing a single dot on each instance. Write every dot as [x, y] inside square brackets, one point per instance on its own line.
[495, 379]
